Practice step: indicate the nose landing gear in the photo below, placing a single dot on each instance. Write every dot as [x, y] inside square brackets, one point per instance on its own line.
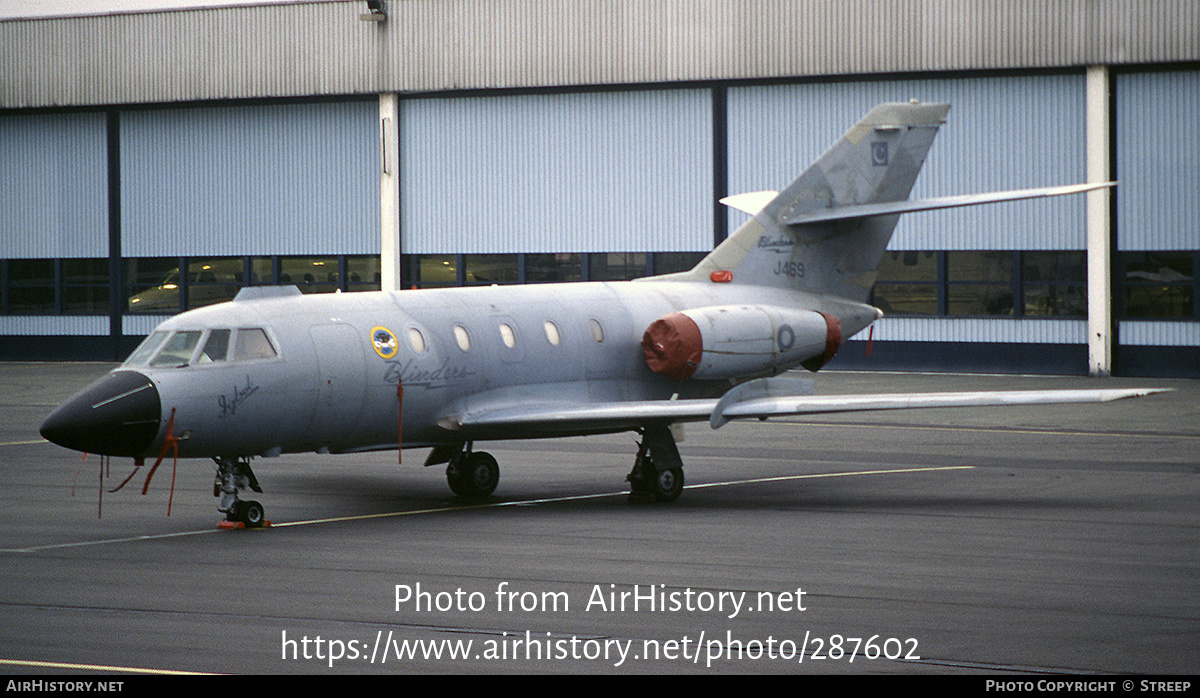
[233, 475]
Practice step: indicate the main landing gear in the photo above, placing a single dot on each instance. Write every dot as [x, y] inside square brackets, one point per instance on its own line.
[473, 473]
[657, 473]
[234, 474]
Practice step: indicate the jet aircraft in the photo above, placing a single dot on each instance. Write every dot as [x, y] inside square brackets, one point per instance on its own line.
[275, 371]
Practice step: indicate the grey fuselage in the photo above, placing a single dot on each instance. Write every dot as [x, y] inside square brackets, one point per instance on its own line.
[331, 389]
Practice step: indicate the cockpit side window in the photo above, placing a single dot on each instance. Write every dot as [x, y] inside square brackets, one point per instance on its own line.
[178, 350]
[216, 347]
[252, 343]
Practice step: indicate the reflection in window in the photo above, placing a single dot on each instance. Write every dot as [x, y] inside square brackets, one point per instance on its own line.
[491, 268]
[907, 283]
[212, 280]
[310, 274]
[1158, 284]
[979, 283]
[617, 266]
[362, 273]
[251, 344]
[553, 268]
[430, 271]
[152, 285]
[1054, 284]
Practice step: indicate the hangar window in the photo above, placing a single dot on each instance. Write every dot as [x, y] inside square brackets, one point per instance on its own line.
[617, 266]
[462, 337]
[490, 269]
[597, 330]
[979, 283]
[553, 268]
[1054, 284]
[30, 287]
[252, 343]
[416, 340]
[508, 335]
[552, 335]
[84, 286]
[1158, 284]
[310, 274]
[907, 284]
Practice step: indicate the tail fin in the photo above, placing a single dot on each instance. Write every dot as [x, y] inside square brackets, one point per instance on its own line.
[875, 162]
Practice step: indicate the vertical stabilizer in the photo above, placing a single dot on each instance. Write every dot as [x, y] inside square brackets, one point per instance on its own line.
[876, 161]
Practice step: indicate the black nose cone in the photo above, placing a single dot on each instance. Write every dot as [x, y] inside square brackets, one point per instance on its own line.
[117, 415]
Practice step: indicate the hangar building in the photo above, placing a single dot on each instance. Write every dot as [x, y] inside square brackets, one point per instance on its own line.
[159, 161]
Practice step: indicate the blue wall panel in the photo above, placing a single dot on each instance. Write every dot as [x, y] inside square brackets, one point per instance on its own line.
[1158, 160]
[598, 172]
[54, 196]
[251, 180]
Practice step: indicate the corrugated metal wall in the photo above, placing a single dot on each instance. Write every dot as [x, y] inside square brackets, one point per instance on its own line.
[595, 172]
[252, 180]
[1023, 331]
[300, 49]
[54, 195]
[1160, 334]
[1001, 133]
[1158, 160]
[53, 326]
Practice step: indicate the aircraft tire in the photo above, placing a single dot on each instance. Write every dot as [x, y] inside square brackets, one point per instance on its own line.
[667, 485]
[251, 514]
[454, 478]
[481, 475]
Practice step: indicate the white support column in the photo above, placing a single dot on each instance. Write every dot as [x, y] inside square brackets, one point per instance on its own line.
[389, 192]
[1099, 226]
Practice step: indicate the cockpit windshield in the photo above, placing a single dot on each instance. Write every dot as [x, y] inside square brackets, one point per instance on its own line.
[165, 349]
[178, 350]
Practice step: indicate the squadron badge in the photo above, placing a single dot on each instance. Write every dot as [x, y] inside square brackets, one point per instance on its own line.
[384, 341]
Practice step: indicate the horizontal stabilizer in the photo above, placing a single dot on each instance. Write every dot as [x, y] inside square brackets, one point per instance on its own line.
[750, 202]
[892, 208]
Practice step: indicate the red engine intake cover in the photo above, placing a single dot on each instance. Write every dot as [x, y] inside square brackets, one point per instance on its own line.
[672, 346]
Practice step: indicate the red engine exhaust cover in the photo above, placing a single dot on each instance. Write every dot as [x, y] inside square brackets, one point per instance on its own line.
[833, 342]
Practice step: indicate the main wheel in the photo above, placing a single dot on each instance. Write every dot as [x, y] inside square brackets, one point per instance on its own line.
[481, 474]
[455, 477]
[666, 485]
[251, 513]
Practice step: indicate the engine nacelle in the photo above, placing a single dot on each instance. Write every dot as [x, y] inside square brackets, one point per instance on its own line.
[736, 341]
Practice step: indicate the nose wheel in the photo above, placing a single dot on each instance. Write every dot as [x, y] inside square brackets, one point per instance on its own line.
[234, 475]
